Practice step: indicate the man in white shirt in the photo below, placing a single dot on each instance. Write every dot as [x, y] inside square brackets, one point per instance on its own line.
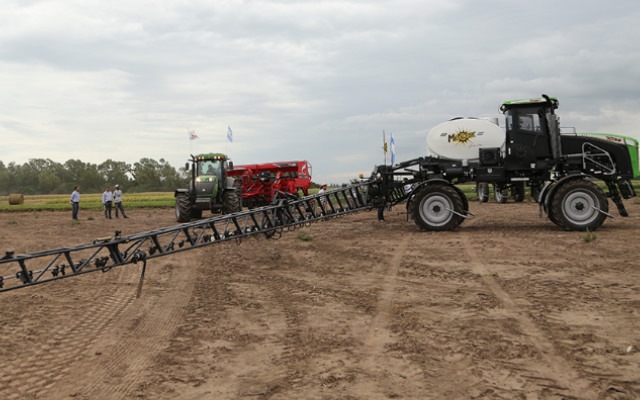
[75, 202]
[117, 199]
[107, 200]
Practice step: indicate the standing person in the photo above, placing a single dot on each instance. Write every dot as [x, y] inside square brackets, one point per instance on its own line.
[354, 194]
[107, 200]
[75, 202]
[117, 199]
[323, 199]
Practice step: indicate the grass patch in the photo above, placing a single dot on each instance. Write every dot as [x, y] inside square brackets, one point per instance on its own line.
[305, 237]
[588, 236]
[91, 201]
[12, 222]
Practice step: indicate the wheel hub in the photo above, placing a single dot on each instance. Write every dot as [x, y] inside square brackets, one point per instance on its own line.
[435, 209]
[580, 207]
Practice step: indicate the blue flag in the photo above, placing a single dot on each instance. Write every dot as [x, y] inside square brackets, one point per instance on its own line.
[229, 134]
[393, 150]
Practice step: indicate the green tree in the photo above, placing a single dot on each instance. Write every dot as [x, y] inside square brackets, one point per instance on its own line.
[115, 172]
[5, 180]
[44, 176]
[48, 181]
[170, 178]
[75, 168]
[85, 175]
[146, 174]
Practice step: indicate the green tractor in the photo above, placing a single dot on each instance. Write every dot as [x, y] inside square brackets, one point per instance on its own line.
[210, 188]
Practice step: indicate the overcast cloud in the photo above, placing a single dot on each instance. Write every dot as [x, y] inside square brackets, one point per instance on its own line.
[314, 80]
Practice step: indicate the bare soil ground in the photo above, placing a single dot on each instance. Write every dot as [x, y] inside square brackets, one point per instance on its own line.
[507, 306]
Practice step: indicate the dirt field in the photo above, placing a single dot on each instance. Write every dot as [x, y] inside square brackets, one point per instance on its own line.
[508, 306]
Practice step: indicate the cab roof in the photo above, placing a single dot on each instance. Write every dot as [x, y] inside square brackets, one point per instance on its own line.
[552, 101]
[211, 156]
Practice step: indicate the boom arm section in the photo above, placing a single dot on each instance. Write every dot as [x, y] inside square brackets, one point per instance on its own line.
[18, 271]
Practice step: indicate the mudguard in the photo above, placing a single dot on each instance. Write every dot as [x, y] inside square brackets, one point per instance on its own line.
[229, 182]
[182, 190]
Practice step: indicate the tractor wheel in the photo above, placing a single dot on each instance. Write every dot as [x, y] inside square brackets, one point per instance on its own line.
[183, 207]
[536, 188]
[437, 207]
[517, 192]
[231, 200]
[577, 206]
[482, 189]
[553, 216]
[501, 195]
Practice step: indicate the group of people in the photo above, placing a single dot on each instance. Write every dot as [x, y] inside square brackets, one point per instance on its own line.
[109, 201]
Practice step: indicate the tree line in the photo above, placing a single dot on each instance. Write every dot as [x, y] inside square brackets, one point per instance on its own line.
[44, 176]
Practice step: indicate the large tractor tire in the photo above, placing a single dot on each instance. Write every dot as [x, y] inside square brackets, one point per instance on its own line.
[553, 216]
[501, 195]
[232, 200]
[482, 189]
[433, 208]
[578, 205]
[536, 188]
[183, 207]
[518, 191]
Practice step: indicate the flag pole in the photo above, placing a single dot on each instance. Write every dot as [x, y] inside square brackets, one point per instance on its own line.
[384, 146]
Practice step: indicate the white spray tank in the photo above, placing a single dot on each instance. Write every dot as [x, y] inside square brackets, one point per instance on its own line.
[460, 138]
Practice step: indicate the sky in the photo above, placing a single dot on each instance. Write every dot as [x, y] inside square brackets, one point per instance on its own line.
[300, 80]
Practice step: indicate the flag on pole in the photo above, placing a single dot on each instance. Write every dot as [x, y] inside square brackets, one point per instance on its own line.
[393, 150]
[384, 146]
[192, 135]
[229, 134]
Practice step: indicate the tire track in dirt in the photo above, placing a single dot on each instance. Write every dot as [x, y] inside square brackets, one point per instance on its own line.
[250, 311]
[140, 332]
[563, 373]
[51, 361]
[378, 335]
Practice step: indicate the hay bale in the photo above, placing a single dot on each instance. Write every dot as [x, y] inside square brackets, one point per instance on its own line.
[16, 199]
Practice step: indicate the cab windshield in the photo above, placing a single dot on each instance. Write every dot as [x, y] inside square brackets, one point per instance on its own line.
[209, 167]
[524, 119]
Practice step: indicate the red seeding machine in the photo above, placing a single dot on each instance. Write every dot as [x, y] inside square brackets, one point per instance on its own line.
[262, 183]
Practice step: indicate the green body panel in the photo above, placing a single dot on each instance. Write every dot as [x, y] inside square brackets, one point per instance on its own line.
[209, 183]
[631, 143]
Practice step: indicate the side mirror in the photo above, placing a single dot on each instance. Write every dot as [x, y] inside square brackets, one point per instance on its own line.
[186, 166]
[230, 164]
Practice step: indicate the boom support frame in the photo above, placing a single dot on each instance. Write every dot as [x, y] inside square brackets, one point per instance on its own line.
[19, 271]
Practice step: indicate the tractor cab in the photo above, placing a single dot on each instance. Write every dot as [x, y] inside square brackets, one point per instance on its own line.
[210, 188]
[532, 134]
[209, 172]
